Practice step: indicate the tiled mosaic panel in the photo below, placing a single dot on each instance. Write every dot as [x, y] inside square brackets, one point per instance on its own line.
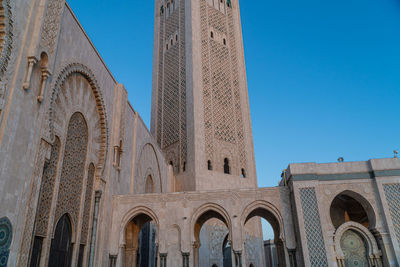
[223, 118]
[46, 191]
[392, 192]
[5, 240]
[72, 174]
[312, 224]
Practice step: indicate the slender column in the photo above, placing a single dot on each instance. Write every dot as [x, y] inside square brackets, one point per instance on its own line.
[112, 260]
[196, 246]
[185, 258]
[94, 228]
[238, 258]
[45, 75]
[31, 62]
[163, 259]
[292, 258]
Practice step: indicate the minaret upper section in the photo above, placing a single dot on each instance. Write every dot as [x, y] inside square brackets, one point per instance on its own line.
[200, 107]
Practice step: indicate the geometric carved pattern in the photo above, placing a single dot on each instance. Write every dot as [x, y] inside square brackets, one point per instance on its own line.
[223, 118]
[47, 191]
[5, 240]
[51, 25]
[88, 204]
[6, 36]
[67, 93]
[171, 102]
[69, 196]
[392, 192]
[312, 224]
[354, 249]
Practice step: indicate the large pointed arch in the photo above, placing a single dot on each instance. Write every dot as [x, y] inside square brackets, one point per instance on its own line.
[62, 77]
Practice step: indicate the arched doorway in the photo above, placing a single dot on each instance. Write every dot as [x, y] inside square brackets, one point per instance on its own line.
[354, 220]
[252, 217]
[61, 246]
[354, 249]
[140, 237]
[211, 228]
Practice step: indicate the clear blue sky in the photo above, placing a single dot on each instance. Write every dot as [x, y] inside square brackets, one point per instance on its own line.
[324, 76]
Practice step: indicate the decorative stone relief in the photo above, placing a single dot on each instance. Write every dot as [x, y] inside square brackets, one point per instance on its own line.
[51, 25]
[223, 118]
[46, 191]
[392, 192]
[88, 204]
[313, 229]
[6, 35]
[5, 240]
[72, 173]
[171, 102]
[147, 164]
[76, 89]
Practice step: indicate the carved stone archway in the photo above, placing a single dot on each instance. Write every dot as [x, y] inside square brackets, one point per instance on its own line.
[374, 253]
[54, 120]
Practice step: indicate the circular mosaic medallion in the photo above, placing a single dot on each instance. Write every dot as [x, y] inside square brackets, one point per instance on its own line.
[354, 249]
[5, 233]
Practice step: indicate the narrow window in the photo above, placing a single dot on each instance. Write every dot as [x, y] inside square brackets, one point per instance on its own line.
[212, 35]
[209, 165]
[227, 168]
[243, 173]
[176, 38]
[224, 41]
[184, 166]
[167, 46]
[171, 163]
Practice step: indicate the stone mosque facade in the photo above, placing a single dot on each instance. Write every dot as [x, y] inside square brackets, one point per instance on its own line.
[83, 182]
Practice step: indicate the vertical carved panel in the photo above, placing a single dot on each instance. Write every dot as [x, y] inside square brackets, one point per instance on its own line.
[171, 112]
[312, 225]
[51, 25]
[223, 114]
[88, 204]
[72, 173]
[6, 36]
[32, 202]
[392, 192]
[46, 191]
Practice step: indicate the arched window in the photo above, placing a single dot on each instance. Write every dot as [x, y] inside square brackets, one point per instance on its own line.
[227, 168]
[212, 35]
[209, 165]
[176, 37]
[149, 188]
[224, 41]
[184, 166]
[167, 46]
[172, 42]
[243, 173]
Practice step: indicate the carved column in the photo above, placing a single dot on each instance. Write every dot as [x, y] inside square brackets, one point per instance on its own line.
[94, 228]
[196, 246]
[292, 258]
[31, 63]
[238, 258]
[163, 259]
[45, 75]
[185, 258]
[112, 260]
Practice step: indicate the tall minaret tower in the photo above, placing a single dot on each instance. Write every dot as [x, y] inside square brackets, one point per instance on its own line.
[200, 105]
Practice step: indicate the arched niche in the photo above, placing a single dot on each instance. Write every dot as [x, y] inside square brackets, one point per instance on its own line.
[372, 254]
[351, 206]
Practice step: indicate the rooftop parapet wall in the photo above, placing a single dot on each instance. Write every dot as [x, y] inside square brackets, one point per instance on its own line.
[343, 170]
